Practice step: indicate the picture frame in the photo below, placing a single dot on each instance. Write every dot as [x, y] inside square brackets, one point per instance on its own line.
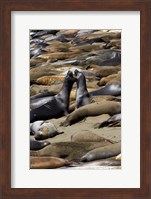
[15, 5]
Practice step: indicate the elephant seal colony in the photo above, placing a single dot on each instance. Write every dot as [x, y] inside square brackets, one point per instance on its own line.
[75, 99]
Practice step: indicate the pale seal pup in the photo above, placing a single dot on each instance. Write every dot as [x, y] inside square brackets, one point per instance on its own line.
[43, 130]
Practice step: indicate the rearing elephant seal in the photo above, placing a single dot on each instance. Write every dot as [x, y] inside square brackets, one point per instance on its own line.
[55, 106]
[82, 95]
[94, 109]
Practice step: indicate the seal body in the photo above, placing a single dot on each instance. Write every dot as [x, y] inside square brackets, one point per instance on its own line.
[102, 152]
[94, 109]
[37, 145]
[114, 120]
[43, 130]
[111, 89]
[54, 106]
[82, 95]
[34, 127]
[47, 162]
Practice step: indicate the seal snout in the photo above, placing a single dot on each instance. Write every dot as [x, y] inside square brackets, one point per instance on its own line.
[77, 73]
[69, 73]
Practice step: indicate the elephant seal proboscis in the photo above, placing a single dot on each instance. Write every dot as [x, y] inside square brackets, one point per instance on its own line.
[82, 95]
[54, 106]
[94, 109]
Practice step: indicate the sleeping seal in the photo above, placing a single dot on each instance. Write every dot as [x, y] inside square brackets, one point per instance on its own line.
[47, 162]
[94, 109]
[82, 95]
[111, 89]
[43, 130]
[54, 106]
[102, 152]
[114, 120]
[37, 145]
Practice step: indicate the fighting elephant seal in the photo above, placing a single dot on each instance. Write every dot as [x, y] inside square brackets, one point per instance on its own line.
[82, 95]
[54, 106]
[94, 109]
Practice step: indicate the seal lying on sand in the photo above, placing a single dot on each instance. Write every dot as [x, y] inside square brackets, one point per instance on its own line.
[82, 95]
[72, 151]
[95, 109]
[47, 162]
[43, 130]
[111, 89]
[114, 120]
[102, 152]
[37, 145]
[54, 106]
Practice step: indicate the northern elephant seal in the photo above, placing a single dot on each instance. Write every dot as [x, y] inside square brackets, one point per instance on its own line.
[94, 109]
[54, 106]
[114, 120]
[37, 145]
[102, 152]
[82, 95]
[47, 162]
[43, 130]
[111, 89]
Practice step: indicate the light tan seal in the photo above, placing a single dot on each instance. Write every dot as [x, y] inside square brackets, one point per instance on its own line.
[48, 80]
[47, 162]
